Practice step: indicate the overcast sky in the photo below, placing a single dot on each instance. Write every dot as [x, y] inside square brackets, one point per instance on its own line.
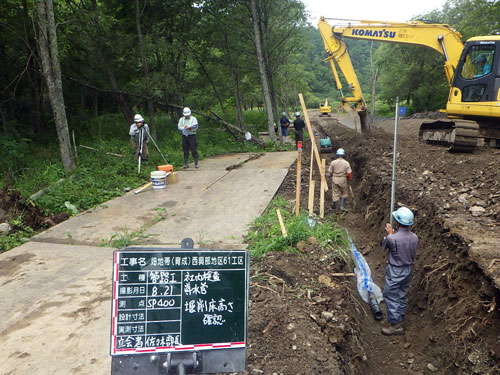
[377, 10]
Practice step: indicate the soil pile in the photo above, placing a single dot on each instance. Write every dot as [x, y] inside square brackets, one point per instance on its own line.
[302, 320]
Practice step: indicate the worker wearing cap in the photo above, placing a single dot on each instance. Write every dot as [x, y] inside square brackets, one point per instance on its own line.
[340, 171]
[298, 126]
[138, 128]
[188, 125]
[401, 246]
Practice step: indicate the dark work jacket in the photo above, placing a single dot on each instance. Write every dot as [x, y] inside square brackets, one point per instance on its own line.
[401, 246]
[299, 124]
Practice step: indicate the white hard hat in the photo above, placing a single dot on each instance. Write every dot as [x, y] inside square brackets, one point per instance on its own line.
[297, 114]
[186, 111]
[284, 114]
[340, 152]
[138, 118]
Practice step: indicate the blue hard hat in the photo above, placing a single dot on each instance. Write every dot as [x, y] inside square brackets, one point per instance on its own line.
[340, 152]
[403, 216]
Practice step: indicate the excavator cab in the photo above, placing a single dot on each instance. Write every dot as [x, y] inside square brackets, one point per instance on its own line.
[477, 79]
[475, 91]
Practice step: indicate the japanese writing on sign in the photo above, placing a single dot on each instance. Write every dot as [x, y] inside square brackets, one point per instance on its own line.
[172, 300]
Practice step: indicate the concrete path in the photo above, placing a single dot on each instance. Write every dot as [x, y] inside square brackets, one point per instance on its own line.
[56, 289]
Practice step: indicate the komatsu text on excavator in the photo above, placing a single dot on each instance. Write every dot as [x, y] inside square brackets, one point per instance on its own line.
[472, 70]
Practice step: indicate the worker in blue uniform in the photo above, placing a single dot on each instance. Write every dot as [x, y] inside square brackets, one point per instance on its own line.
[401, 246]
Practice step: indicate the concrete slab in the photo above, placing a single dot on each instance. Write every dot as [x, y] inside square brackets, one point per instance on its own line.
[55, 309]
[56, 289]
[185, 202]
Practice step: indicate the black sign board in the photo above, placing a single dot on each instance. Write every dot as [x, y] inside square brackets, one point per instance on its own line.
[171, 300]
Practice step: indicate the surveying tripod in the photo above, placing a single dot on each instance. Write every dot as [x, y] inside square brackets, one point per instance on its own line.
[141, 145]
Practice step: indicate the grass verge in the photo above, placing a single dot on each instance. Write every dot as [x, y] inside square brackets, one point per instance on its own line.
[265, 233]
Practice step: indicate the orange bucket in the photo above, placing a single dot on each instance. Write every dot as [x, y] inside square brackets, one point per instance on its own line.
[167, 168]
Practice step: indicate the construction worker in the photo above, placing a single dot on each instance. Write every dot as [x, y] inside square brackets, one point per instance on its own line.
[482, 65]
[285, 123]
[340, 171]
[401, 246]
[188, 125]
[298, 126]
[136, 129]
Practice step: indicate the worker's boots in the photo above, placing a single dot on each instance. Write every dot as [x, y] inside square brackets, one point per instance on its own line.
[342, 204]
[335, 205]
[196, 163]
[394, 329]
[186, 163]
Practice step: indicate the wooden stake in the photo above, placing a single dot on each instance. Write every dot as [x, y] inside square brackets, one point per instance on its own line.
[74, 145]
[311, 166]
[312, 184]
[322, 194]
[282, 224]
[143, 187]
[313, 143]
[297, 187]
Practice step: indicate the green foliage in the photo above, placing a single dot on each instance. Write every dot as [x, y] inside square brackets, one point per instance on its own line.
[265, 233]
[13, 150]
[20, 235]
[124, 238]
[100, 176]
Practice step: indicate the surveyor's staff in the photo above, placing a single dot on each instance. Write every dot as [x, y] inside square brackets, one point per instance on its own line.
[141, 142]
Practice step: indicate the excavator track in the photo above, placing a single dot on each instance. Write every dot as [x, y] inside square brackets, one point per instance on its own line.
[457, 135]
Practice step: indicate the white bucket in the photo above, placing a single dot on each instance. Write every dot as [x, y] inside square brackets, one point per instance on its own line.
[159, 180]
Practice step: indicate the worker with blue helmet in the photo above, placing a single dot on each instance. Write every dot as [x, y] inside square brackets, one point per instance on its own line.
[401, 245]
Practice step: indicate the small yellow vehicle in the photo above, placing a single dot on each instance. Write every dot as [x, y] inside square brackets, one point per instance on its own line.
[325, 109]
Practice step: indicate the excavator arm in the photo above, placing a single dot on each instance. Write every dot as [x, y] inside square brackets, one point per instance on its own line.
[338, 54]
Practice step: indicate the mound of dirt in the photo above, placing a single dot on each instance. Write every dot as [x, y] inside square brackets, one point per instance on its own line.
[14, 207]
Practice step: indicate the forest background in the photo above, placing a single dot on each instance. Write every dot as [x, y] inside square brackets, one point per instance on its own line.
[78, 70]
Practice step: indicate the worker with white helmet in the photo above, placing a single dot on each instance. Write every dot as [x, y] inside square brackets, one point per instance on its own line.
[137, 130]
[188, 125]
[401, 246]
[340, 171]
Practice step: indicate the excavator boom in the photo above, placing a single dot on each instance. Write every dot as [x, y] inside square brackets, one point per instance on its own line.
[472, 70]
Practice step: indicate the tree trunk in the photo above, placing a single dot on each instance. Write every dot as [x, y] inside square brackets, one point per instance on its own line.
[47, 42]
[127, 113]
[34, 96]
[145, 69]
[234, 77]
[262, 69]
[266, 53]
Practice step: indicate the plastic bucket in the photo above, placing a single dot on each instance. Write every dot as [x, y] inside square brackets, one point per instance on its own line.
[159, 180]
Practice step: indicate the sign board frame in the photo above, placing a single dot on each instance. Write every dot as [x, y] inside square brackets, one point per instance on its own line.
[194, 318]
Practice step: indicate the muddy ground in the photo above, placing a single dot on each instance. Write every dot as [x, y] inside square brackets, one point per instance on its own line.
[302, 322]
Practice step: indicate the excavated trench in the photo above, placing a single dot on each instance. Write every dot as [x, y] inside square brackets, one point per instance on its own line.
[453, 321]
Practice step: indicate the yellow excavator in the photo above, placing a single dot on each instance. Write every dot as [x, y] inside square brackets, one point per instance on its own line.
[472, 70]
[325, 109]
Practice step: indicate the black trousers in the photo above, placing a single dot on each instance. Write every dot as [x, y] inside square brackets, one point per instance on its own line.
[299, 136]
[189, 143]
